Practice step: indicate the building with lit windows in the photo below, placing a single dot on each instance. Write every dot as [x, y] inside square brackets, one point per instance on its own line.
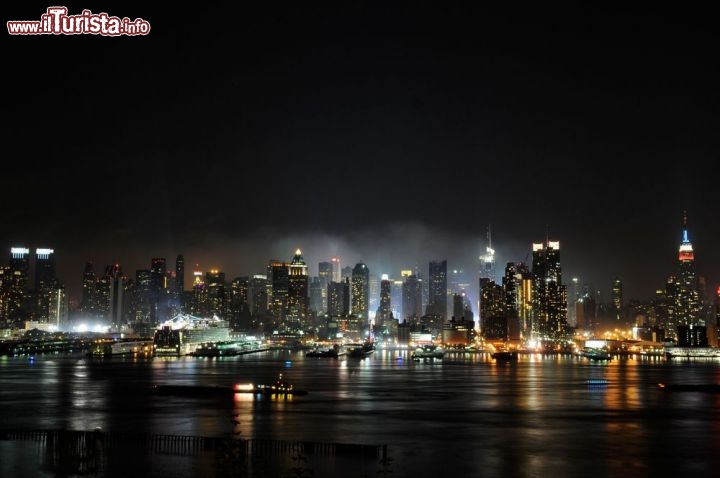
[549, 295]
[438, 289]
[298, 285]
[617, 299]
[360, 291]
[687, 304]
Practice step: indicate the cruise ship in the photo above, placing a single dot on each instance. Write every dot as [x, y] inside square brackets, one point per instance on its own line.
[183, 334]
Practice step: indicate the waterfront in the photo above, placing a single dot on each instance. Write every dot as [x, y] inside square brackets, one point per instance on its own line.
[465, 414]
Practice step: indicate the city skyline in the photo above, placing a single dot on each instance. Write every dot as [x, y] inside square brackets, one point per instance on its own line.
[72, 281]
[393, 135]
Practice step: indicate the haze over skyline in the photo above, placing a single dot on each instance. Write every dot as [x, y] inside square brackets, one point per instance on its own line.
[390, 134]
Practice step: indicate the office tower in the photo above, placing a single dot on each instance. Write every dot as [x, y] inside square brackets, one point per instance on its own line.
[549, 318]
[111, 295]
[326, 272]
[488, 259]
[258, 295]
[617, 298]
[298, 286]
[412, 298]
[44, 268]
[45, 284]
[384, 311]
[493, 318]
[687, 303]
[517, 287]
[179, 276]
[346, 273]
[238, 311]
[278, 275]
[336, 269]
[16, 292]
[360, 291]
[339, 298]
[374, 295]
[437, 289]
[142, 299]
[158, 288]
[88, 300]
[318, 295]
[214, 298]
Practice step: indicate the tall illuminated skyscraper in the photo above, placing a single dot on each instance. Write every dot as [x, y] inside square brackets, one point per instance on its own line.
[617, 298]
[17, 288]
[360, 290]
[46, 284]
[437, 289]
[44, 268]
[179, 276]
[549, 296]
[336, 269]
[687, 304]
[298, 285]
[326, 273]
[488, 259]
[88, 302]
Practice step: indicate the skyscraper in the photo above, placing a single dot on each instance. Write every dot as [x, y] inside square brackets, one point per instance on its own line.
[617, 298]
[278, 275]
[88, 302]
[298, 284]
[384, 311]
[16, 290]
[44, 268]
[488, 259]
[360, 291]
[46, 284]
[339, 298]
[437, 289]
[336, 277]
[412, 298]
[325, 272]
[549, 318]
[158, 275]
[179, 276]
[687, 305]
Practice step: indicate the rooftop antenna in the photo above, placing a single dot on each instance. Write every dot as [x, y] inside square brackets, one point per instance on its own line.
[547, 234]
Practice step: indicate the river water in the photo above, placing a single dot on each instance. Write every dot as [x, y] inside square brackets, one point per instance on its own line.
[465, 415]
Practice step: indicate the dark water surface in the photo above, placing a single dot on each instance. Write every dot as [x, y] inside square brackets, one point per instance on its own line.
[463, 416]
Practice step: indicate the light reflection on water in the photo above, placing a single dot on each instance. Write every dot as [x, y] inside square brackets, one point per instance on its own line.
[465, 414]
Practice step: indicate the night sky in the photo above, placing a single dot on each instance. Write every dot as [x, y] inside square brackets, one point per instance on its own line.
[388, 134]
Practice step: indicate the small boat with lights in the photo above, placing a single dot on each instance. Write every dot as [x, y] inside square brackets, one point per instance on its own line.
[361, 350]
[333, 352]
[595, 354]
[428, 352]
[278, 388]
[505, 355]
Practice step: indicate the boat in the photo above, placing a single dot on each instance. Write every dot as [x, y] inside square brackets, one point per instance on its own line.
[333, 352]
[361, 350]
[279, 387]
[430, 352]
[505, 355]
[595, 354]
[690, 387]
[121, 347]
[183, 334]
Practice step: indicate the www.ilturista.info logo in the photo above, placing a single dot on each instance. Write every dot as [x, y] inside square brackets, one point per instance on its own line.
[56, 21]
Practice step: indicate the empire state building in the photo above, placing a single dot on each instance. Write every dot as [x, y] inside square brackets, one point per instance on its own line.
[687, 305]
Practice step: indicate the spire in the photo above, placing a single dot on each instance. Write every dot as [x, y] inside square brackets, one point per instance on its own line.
[686, 253]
